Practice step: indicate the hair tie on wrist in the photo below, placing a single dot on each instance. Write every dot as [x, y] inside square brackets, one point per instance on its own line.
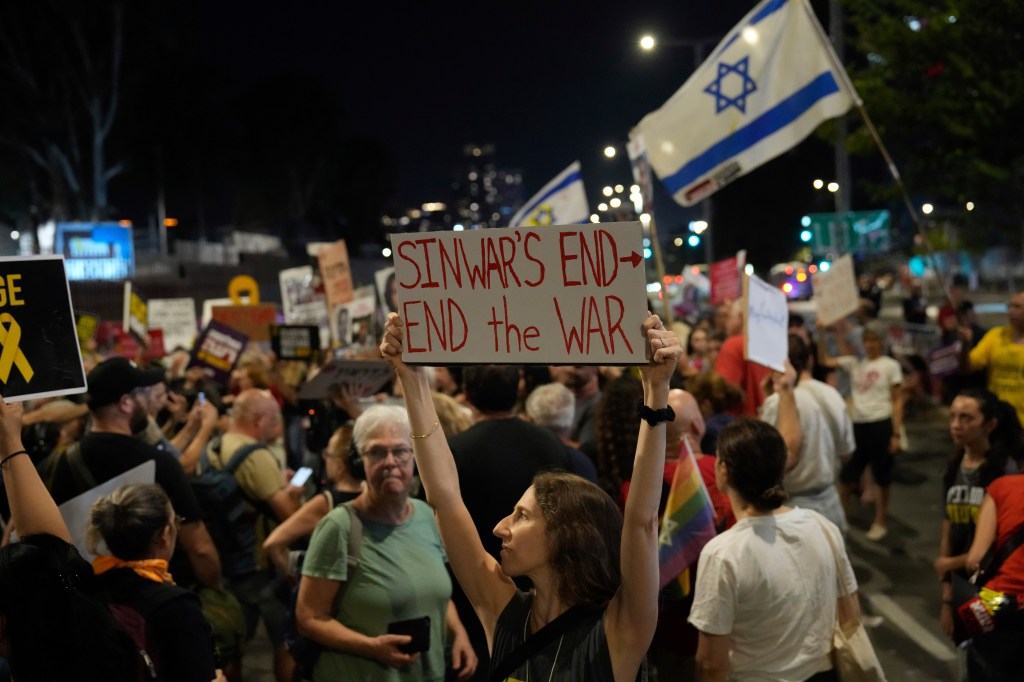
[417, 436]
[13, 454]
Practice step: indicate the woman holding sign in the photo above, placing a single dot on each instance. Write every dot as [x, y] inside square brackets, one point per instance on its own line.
[590, 614]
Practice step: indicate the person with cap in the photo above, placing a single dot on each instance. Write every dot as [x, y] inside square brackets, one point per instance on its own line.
[115, 388]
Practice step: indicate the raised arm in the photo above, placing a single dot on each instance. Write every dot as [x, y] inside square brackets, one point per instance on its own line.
[295, 527]
[488, 589]
[633, 612]
[984, 534]
[33, 510]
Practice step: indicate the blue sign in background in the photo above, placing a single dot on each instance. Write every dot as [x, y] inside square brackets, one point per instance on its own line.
[96, 250]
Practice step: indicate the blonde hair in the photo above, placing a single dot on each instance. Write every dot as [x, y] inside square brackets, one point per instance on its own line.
[450, 414]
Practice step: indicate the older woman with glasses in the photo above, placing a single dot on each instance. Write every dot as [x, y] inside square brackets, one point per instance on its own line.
[400, 575]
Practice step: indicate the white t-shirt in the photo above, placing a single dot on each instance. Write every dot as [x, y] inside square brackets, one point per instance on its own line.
[770, 583]
[816, 467]
[871, 385]
[835, 413]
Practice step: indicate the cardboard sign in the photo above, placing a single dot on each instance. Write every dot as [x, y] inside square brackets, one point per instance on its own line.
[765, 324]
[294, 342]
[85, 327]
[217, 351]
[361, 377]
[39, 349]
[387, 291]
[252, 320]
[573, 294]
[135, 315]
[944, 361]
[352, 323]
[77, 511]
[335, 272]
[835, 291]
[176, 317]
[726, 284]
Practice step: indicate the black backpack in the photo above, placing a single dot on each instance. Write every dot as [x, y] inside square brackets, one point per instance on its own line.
[132, 619]
[306, 651]
[225, 513]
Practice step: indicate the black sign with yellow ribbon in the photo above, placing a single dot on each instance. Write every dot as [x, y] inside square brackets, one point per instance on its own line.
[39, 350]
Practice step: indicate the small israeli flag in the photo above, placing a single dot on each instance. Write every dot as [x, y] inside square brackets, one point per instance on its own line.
[561, 202]
[770, 82]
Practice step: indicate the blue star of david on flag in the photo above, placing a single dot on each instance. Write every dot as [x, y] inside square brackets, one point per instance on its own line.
[722, 99]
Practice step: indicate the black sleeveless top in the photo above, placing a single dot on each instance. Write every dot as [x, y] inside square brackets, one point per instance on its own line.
[580, 654]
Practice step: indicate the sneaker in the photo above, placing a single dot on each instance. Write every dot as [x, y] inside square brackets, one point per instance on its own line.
[876, 532]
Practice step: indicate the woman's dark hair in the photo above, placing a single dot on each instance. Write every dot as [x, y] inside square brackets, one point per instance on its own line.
[129, 520]
[1004, 440]
[754, 456]
[616, 443]
[584, 526]
[56, 628]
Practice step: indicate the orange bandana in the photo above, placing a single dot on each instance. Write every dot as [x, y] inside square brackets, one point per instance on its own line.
[150, 569]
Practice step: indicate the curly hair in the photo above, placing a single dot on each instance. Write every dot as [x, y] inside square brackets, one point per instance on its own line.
[615, 420]
[584, 526]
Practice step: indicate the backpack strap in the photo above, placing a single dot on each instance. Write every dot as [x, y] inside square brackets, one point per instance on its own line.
[355, 538]
[241, 455]
[84, 480]
[1005, 550]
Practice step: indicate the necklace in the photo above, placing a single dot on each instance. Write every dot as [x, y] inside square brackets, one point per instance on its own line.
[551, 674]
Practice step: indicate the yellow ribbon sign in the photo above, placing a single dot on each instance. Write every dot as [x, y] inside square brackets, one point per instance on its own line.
[12, 355]
[244, 284]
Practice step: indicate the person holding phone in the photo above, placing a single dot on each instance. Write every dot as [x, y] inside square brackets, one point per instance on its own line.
[387, 617]
[594, 569]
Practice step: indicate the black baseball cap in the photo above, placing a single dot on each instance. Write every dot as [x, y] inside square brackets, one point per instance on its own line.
[113, 378]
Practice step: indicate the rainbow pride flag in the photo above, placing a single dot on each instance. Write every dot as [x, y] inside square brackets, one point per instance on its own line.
[688, 524]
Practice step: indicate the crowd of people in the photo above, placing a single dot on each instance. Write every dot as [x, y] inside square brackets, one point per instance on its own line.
[493, 522]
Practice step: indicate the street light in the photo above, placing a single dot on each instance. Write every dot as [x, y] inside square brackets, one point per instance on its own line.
[609, 152]
[647, 43]
[607, 191]
[819, 183]
[927, 209]
[970, 205]
[833, 187]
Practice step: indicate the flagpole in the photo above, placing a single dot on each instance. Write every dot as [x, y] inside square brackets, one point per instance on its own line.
[862, 110]
[659, 265]
[918, 226]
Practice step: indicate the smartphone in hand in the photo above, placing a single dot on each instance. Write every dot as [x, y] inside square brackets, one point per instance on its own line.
[301, 476]
[417, 628]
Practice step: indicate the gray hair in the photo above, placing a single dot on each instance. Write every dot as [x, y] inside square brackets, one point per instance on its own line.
[552, 406]
[376, 418]
[128, 520]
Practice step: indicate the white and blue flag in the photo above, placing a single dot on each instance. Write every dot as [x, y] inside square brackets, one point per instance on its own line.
[561, 202]
[770, 82]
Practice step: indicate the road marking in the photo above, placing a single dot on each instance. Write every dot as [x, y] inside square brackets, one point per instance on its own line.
[895, 614]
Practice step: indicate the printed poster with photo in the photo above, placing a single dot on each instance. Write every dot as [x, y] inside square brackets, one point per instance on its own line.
[354, 324]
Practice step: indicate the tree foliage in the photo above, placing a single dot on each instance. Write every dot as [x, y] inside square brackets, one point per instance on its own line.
[941, 79]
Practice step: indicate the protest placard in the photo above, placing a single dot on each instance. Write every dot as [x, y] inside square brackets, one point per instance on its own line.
[726, 282]
[217, 351]
[252, 320]
[571, 294]
[335, 273]
[176, 317]
[294, 342]
[135, 314]
[387, 291]
[359, 377]
[85, 328]
[765, 324]
[77, 511]
[835, 291]
[944, 361]
[40, 354]
[352, 324]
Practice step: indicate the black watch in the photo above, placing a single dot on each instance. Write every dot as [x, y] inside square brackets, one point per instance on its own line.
[655, 417]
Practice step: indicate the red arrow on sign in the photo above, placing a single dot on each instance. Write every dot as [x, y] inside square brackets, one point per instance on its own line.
[633, 258]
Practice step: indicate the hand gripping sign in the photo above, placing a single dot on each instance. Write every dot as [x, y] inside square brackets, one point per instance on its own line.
[571, 294]
[39, 350]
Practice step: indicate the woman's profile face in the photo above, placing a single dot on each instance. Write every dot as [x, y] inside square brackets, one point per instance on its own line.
[525, 546]
[699, 342]
[387, 458]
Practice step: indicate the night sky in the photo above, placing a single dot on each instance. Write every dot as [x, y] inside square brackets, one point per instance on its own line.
[546, 83]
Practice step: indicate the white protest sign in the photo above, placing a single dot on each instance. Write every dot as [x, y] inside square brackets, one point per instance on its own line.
[573, 294]
[835, 291]
[177, 318]
[765, 324]
[76, 511]
[211, 303]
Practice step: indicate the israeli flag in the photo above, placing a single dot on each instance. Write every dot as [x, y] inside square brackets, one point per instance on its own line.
[561, 202]
[770, 82]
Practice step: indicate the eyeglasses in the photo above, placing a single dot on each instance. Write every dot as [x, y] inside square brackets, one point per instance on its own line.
[401, 453]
